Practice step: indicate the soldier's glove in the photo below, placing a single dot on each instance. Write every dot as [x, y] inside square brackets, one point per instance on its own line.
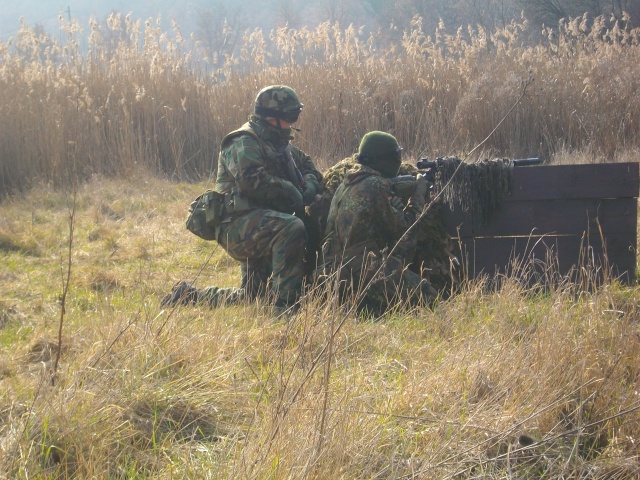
[294, 196]
[397, 203]
[309, 194]
[419, 196]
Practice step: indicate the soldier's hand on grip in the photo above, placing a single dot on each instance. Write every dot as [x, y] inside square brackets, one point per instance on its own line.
[419, 195]
[295, 197]
[311, 188]
[397, 203]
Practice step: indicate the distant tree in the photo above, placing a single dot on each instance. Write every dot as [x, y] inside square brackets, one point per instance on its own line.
[550, 12]
[289, 13]
[343, 12]
[618, 8]
[400, 13]
[489, 14]
[388, 18]
[218, 31]
[373, 7]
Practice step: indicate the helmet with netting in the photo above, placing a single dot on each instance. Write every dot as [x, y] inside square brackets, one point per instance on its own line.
[278, 101]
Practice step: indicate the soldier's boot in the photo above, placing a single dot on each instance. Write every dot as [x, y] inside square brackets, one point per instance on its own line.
[282, 310]
[219, 297]
[286, 304]
[429, 294]
[182, 293]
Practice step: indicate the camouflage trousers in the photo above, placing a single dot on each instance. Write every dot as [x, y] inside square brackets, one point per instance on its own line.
[388, 283]
[270, 248]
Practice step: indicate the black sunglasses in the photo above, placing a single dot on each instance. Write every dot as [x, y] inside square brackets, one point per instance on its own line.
[290, 116]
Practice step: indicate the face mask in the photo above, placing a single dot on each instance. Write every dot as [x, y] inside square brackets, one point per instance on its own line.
[285, 134]
[278, 136]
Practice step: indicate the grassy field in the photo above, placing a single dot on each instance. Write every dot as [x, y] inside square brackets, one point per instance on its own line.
[100, 156]
[506, 384]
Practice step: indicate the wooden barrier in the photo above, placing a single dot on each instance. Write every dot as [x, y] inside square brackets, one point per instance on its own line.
[559, 219]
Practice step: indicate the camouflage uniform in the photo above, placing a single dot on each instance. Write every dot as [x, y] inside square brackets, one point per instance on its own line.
[366, 229]
[265, 232]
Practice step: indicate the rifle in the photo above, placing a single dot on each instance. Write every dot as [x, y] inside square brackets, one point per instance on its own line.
[433, 165]
[295, 176]
[404, 185]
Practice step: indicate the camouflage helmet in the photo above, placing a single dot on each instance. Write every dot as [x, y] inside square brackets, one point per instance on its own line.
[380, 151]
[278, 101]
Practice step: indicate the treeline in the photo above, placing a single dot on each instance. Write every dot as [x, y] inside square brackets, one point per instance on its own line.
[218, 29]
[144, 103]
[213, 30]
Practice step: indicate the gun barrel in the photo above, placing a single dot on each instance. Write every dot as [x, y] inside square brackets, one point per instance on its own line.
[523, 162]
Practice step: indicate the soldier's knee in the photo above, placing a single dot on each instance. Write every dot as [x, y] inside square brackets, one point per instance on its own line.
[295, 230]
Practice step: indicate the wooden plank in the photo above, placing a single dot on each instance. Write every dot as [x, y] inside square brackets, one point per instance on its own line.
[457, 223]
[556, 216]
[560, 183]
[560, 254]
[575, 216]
[602, 180]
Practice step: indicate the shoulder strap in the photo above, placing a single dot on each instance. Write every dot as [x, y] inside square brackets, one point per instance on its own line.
[339, 195]
[244, 130]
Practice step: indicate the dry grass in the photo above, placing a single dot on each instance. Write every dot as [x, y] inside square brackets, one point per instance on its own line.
[487, 385]
[143, 103]
[503, 384]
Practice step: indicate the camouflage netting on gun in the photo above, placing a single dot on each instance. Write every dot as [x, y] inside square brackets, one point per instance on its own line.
[473, 187]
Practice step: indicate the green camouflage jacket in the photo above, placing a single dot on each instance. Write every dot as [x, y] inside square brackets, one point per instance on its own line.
[362, 217]
[250, 162]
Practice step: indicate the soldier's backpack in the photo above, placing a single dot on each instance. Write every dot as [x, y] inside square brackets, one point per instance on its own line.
[206, 213]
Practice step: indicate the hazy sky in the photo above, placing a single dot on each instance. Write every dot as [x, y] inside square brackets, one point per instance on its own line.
[46, 12]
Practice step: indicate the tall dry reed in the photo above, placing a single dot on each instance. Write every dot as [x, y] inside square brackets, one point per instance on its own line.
[138, 99]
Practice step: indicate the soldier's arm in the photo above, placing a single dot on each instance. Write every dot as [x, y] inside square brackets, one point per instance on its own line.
[395, 223]
[246, 163]
[305, 164]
